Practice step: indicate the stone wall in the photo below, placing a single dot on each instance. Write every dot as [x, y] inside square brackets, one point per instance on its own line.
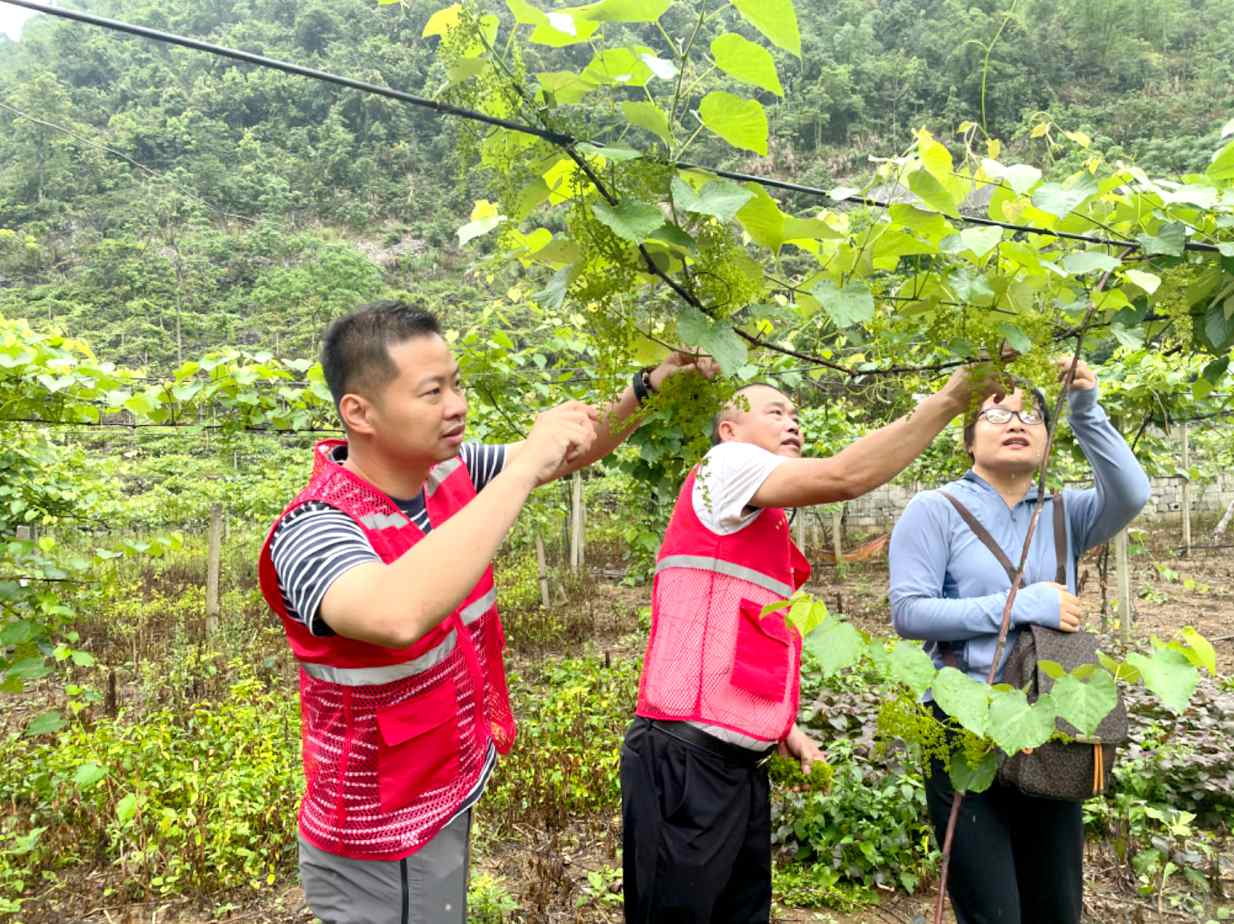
[1206, 498]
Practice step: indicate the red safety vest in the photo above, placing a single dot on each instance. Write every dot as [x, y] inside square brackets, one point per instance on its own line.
[393, 739]
[711, 657]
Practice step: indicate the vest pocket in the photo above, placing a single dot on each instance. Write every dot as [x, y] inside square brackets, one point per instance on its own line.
[760, 662]
[419, 746]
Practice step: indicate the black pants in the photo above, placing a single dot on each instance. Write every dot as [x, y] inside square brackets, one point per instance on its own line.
[1015, 859]
[696, 833]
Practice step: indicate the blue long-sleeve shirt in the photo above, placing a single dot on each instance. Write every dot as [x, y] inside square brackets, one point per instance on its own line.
[946, 586]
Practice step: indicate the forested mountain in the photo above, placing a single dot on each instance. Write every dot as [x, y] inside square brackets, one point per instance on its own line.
[162, 202]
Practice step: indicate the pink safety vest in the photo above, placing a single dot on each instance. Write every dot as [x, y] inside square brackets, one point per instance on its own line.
[710, 657]
[393, 738]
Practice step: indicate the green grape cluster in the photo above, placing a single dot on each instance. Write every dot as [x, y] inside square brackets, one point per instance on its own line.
[725, 277]
[973, 747]
[607, 268]
[903, 718]
[786, 773]
[642, 179]
[511, 162]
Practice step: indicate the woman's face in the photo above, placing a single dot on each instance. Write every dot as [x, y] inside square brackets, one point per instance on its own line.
[1009, 447]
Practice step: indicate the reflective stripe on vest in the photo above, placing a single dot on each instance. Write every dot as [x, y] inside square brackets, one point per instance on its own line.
[377, 521]
[438, 474]
[728, 568]
[375, 676]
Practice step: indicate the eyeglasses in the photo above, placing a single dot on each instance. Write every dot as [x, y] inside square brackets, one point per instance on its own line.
[1000, 415]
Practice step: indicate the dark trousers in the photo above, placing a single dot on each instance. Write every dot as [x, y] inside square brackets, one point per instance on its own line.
[696, 833]
[1015, 859]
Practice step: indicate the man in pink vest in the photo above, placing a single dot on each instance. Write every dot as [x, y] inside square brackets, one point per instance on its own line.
[380, 572]
[720, 682]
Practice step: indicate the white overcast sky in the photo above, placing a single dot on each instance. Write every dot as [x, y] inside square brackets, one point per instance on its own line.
[11, 18]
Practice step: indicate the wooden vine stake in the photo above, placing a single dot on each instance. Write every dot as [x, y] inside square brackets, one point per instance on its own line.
[213, 560]
[1186, 491]
[577, 515]
[542, 568]
[1122, 572]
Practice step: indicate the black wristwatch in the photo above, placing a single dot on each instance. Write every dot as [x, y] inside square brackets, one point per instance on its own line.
[641, 383]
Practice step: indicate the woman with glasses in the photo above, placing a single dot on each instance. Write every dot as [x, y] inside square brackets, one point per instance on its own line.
[1015, 858]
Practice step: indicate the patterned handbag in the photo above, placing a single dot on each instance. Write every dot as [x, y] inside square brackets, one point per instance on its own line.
[1079, 768]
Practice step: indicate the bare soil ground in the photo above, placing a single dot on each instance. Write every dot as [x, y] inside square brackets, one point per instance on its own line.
[1172, 591]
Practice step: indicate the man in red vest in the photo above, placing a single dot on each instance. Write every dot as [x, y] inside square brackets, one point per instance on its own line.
[720, 682]
[380, 571]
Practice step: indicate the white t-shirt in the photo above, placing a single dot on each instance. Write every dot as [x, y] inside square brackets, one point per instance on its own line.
[728, 477]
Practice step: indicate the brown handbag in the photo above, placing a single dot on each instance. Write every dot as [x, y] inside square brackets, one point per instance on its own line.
[1079, 768]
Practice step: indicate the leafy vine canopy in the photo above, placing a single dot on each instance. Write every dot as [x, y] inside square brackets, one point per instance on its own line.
[950, 252]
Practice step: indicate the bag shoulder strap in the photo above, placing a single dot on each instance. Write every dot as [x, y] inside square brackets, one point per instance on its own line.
[983, 534]
[1060, 539]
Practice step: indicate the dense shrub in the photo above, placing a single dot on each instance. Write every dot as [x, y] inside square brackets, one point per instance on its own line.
[572, 716]
[869, 829]
[200, 800]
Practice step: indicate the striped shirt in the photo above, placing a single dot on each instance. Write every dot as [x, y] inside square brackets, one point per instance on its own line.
[316, 543]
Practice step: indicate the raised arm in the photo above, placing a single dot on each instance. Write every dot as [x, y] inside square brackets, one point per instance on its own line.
[874, 459]
[398, 603]
[1121, 488]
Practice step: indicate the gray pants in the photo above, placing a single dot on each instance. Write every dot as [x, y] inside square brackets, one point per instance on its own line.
[428, 886]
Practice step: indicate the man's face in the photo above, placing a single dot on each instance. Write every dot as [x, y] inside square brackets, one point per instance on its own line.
[770, 421]
[419, 416]
[1013, 447]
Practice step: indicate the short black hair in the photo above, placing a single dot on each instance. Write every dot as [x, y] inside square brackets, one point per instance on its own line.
[970, 422]
[355, 354]
[723, 413]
